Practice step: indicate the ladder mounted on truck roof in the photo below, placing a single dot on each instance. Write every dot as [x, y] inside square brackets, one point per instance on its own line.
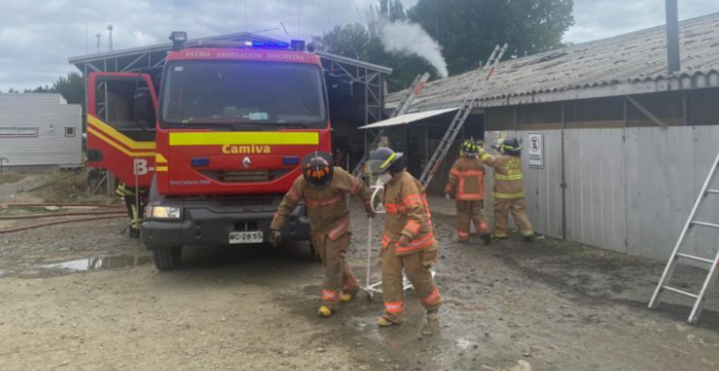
[401, 109]
[456, 125]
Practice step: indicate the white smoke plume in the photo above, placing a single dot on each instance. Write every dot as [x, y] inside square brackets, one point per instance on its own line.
[410, 39]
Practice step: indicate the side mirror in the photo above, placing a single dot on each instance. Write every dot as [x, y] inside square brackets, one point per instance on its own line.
[144, 110]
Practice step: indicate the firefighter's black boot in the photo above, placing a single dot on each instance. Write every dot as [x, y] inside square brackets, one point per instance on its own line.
[134, 233]
[487, 239]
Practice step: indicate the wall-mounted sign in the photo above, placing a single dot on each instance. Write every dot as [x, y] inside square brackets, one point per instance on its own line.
[535, 144]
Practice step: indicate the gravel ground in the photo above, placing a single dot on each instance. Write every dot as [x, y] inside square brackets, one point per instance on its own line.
[548, 305]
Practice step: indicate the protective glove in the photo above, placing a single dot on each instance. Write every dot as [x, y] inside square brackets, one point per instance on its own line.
[275, 238]
[403, 241]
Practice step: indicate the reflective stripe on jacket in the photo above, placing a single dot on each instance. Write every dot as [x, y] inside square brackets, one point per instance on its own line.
[407, 214]
[326, 207]
[466, 179]
[507, 175]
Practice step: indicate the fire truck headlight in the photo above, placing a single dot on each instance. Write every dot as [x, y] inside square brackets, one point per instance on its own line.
[164, 212]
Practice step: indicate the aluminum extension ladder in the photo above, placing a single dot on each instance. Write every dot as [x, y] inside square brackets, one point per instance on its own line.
[402, 108]
[465, 109]
[674, 259]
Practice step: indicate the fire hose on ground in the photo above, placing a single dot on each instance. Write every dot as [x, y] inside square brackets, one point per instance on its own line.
[87, 216]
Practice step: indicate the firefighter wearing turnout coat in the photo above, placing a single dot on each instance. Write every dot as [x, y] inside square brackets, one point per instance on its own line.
[324, 189]
[408, 241]
[508, 188]
[466, 185]
[127, 194]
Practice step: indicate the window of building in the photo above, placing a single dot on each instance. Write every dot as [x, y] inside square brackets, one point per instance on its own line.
[17, 132]
[69, 131]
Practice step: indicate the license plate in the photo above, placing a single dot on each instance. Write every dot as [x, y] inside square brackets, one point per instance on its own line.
[246, 237]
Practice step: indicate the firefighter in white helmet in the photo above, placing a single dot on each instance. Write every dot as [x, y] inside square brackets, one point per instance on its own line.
[408, 241]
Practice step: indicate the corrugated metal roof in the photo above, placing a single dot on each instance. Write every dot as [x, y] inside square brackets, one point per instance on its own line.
[165, 47]
[630, 59]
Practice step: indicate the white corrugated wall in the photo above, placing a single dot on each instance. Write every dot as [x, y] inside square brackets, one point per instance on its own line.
[51, 146]
[627, 190]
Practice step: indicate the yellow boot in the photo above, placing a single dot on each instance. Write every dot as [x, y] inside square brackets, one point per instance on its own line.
[325, 312]
[385, 321]
[346, 298]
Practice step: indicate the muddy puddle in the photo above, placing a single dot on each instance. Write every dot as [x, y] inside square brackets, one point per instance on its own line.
[97, 263]
[43, 268]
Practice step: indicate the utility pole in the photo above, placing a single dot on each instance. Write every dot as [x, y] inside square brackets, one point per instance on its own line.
[109, 38]
[98, 36]
[299, 18]
[87, 40]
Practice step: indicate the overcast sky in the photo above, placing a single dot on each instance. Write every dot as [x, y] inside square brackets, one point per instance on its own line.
[37, 36]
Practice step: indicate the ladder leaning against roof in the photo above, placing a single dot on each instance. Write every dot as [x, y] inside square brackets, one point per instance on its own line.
[456, 125]
[401, 109]
[700, 298]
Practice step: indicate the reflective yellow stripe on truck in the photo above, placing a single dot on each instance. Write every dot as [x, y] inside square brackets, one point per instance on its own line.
[243, 138]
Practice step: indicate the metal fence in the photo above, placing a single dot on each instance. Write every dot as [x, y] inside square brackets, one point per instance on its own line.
[627, 190]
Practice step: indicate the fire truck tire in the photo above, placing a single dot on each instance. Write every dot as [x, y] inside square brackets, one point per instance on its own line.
[167, 258]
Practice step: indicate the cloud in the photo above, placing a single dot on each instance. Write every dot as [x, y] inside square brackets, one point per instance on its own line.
[598, 19]
[37, 36]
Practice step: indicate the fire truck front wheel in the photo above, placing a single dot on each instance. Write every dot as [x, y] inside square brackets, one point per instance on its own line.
[167, 258]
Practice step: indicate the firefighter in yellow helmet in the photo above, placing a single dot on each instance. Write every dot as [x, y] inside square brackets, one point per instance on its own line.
[466, 185]
[508, 188]
[408, 242]
[324, 189]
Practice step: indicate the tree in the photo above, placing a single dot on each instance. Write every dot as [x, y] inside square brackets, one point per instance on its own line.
[40, 89]
[363, 42]
[351, 40]
[72, 88]
[393, 10]
[468, 30]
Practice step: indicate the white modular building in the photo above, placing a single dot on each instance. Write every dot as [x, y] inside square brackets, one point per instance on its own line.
[40, 129]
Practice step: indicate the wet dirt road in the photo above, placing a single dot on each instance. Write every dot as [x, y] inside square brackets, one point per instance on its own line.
[85, 297]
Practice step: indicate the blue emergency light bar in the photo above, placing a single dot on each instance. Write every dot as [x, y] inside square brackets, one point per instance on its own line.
[268, 44]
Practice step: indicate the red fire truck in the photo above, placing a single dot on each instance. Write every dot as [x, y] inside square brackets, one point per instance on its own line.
[216, 136]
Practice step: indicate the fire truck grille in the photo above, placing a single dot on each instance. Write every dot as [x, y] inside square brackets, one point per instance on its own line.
[255, 201]
[245, 176]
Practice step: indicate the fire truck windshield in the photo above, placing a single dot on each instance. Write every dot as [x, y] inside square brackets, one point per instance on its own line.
[241, 94]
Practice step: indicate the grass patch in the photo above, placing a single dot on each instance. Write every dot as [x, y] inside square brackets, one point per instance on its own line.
[10, 178]
[72, 188]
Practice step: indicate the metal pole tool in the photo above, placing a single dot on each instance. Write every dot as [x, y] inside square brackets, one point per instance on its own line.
[376, 288]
